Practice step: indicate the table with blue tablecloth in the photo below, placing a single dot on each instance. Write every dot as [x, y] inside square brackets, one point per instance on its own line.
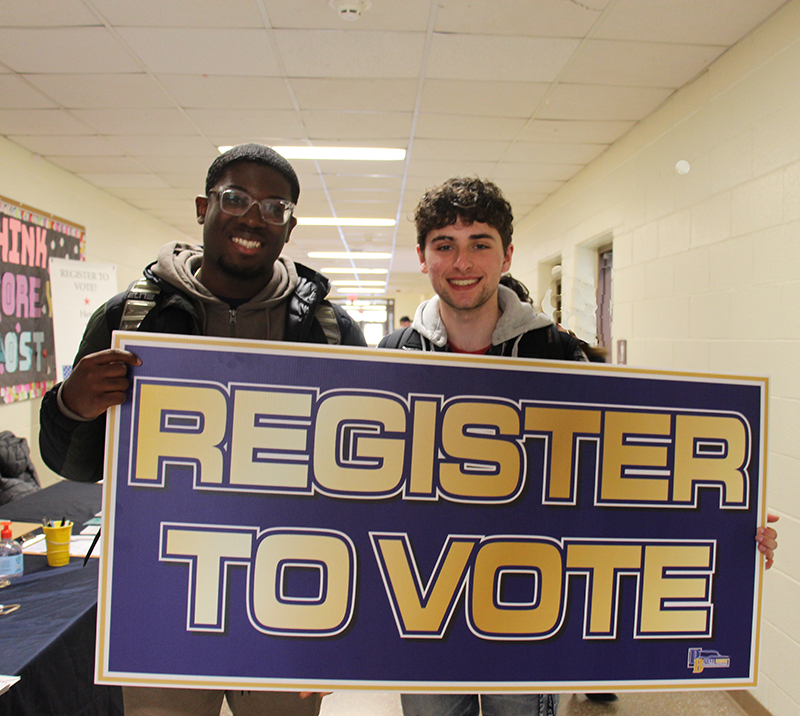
[49, 641]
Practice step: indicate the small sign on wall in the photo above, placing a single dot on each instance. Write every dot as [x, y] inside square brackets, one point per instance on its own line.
[78, 288]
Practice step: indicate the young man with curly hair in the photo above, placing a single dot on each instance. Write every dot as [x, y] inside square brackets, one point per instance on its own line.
[464, 230]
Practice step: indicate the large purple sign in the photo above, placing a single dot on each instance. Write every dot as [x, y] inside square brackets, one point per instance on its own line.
[314, 518]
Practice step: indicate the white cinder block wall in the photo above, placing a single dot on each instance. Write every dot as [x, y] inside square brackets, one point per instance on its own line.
[115, 233]
[707, 267]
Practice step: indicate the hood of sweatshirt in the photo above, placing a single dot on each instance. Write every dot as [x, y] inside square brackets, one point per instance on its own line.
[517, 317]
[262, 316]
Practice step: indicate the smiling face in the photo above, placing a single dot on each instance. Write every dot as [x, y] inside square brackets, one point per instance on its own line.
[464, 263]
[239, 252]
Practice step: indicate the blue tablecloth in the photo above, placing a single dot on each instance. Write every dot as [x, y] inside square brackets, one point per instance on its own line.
[49, 641]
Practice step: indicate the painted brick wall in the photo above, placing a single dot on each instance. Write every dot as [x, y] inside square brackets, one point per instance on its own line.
[707, 266]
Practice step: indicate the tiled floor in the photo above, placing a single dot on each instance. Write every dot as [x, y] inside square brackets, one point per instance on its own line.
[665, 703]
[681, 703]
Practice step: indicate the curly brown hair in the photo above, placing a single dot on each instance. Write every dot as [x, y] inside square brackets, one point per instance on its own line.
[469, 199]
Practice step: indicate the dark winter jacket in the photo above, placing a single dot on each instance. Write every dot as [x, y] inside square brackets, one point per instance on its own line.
[74, 448]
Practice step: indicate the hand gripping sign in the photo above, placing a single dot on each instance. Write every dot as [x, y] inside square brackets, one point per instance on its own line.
[310, 517]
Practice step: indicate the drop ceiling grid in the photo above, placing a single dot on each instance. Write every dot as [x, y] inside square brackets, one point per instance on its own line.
[134, 97]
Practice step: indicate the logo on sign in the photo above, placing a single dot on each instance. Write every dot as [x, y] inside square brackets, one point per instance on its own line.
[700, 659]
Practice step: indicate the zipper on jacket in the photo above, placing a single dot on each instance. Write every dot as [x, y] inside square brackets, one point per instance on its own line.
[232, 317]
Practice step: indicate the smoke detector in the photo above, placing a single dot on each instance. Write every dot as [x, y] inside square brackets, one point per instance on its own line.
[350, 10]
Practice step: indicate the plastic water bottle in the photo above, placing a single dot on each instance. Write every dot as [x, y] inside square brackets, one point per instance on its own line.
[10, 556]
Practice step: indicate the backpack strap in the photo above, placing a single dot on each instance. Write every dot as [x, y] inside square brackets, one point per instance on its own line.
[141, 299]
[326, 317]
[545, 342]
[406, 338]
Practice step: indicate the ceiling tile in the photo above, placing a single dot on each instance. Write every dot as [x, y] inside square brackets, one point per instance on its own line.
[524, 186]
[136, 121]
[553, 152]
[379, 183]
[479, 57]
[18, 94]
[355, 174]
[192, 182]
[409, 15]
[721, 22]
[41, 121]
[374, 196]
[598, 102]
[484, 99]
[439, 171]
[555, 130]
[246, 123]
[453, 126]
[145, 195]
[104, 180]
[357, 125]
[312, 195]
[159, 164]
[106, 91]
[166, 146]
[69, 49]
[638, 64]
[68, 145]
[454, 150]
[533, 172]
[92, 165]
[200, 51]
[367, 210]
[187, 13]
[417, 185]
[355, 95]
[46, 13]
[226, 91]
[509, 91]
[544, 18]
[318, 53]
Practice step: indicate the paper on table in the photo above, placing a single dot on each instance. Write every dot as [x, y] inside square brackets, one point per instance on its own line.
[78, 546]
[22, 528]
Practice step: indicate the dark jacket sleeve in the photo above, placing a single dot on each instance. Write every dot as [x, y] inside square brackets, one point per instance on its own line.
[74, 448]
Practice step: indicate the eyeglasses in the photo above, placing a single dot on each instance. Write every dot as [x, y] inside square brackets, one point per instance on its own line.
[238, 203]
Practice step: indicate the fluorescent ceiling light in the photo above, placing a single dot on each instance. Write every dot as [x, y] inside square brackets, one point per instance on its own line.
[323, 221]
[359, 283]
[348, 255]
[346, 153]
[361, 291]
[352, 270]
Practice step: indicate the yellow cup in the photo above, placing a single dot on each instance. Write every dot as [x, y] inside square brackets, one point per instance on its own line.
[57, 540]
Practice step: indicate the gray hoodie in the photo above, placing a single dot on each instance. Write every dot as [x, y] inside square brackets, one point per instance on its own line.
[263, 316]
[518, 318]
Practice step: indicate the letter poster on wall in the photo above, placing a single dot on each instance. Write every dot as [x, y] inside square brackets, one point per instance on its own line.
[28, 239]
[304, 517]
